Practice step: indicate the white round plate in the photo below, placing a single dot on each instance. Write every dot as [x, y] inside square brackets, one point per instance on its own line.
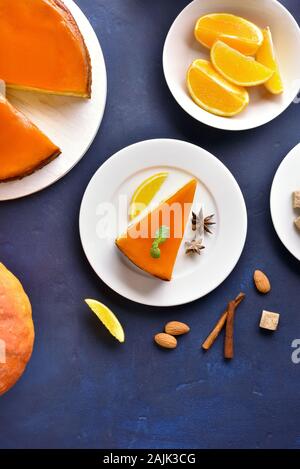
[286, 181]
[105, 205]
[181, 49]
[72, 123]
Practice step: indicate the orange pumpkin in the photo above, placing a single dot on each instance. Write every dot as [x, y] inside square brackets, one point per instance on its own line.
[16, 330]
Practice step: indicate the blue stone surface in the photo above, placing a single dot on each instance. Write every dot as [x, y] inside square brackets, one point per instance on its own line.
[82, 389]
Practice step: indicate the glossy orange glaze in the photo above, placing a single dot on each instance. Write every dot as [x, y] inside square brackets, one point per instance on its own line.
[42, 48]
[23, 147]
[174, 213]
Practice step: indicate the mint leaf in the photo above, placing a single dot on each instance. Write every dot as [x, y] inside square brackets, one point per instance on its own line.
[155, 252]
[161, 235]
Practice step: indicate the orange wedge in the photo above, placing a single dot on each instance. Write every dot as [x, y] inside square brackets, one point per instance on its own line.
[238, 68]
[237, 32]
[212, 92]
[145, 192]
[107, 318]
[266, 56]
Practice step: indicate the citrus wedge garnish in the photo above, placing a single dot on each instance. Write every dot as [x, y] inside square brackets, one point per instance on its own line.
[238, 68]
[108, 318]
[266, 56]
[235, 31]
[145, 192]
[212, 92]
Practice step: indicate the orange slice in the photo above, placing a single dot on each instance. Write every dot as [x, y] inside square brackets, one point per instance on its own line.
[266, 56]
[145, 192]
[212, 92]
[235, 31]
[238, 68]
[108, 318]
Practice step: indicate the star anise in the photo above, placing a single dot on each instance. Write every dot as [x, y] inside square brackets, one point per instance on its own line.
[208, 222]
[198, 222]
[194, 247]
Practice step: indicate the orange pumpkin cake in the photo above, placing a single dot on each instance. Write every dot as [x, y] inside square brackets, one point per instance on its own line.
[42, 48]
[23, 147]
[146, 246]
[16, 329]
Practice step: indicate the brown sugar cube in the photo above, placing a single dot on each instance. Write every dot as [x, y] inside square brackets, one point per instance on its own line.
[296, 199]
[297, 223]
[269, 320]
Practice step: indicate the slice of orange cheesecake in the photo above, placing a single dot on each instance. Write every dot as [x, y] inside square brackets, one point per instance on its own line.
[42, 48]
[152, 243]
[23, 147]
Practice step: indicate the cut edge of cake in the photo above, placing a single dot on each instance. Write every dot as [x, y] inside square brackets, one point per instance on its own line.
[48, 158]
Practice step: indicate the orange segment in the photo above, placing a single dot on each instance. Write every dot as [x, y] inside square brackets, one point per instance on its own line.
[266, 56]
[212, 92]
[238, 68]
[108, 318]
[235, 31]
[145, 192]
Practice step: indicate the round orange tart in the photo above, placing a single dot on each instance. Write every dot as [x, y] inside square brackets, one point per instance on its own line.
[16, 330]
[43, 48]
[44, 51]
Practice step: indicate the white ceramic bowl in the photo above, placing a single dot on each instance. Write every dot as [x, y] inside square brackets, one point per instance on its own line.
[181, 49]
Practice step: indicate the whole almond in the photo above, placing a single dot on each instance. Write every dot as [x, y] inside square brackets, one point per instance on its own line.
[165, 340]
[176, 328]
[261, 281]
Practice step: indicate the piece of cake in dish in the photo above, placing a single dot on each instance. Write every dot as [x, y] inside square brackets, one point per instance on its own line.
[23, 147]
[140, 243]
[42, 48]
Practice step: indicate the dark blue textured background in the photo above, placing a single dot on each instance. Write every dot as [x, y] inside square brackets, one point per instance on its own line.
[81, 388]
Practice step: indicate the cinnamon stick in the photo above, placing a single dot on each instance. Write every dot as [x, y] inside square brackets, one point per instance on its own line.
[228, 344]
[209, 341]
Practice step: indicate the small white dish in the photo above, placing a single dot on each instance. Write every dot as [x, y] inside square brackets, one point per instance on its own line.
[286, 181]
[112, 187]
[181, 49]
[72, 123]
